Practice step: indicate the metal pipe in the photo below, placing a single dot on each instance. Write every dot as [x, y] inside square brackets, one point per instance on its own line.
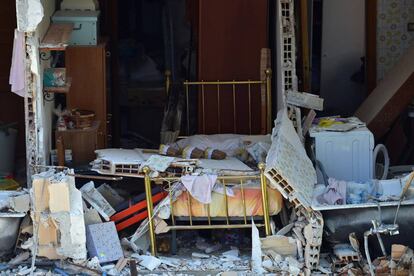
[234, 109]
[367, 255]
[203, 107]
[214, 226]
[148, 195]
[381, 243]
[189, 207]
[402, 196]
[218, 108]
[226, 202]
[223, 82]
[265, 200]
[243, 201]
[97, 177]
[250, 107]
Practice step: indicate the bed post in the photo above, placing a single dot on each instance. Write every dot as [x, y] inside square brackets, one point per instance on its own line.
[150, 209]
[265, 199]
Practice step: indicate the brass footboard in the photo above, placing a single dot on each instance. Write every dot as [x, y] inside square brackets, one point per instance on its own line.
[224, 180]
[205, 88]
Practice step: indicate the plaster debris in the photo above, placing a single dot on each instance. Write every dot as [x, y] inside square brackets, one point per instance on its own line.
[58, 217]
[111, 195]
[256, 251]
[29, 14]
[149, 262]
[285, 246]
[212, 248]
[200, 255]
[97, 201]
[21, 203]
[19, 258]
[91, 216]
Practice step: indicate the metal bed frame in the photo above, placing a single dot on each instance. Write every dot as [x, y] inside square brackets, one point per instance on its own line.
[265, 99]
[224, 180]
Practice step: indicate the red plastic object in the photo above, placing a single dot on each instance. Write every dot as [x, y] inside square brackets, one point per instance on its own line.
[132, 215]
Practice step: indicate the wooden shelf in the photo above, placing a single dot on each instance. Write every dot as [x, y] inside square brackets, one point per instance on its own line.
[57, 37]
[59, 89]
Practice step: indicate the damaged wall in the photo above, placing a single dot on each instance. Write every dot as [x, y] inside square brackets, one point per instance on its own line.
[393, 37]
[33, 18]
[49, 7]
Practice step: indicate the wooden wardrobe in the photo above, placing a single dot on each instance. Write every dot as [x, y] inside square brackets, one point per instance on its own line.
[86, 65]
[230, 36]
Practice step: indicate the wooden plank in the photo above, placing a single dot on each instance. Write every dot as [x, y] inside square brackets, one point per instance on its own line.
[305, 100]
[57, 37]
[391, 96]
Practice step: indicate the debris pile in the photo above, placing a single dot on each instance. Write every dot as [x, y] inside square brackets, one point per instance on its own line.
[295, 248]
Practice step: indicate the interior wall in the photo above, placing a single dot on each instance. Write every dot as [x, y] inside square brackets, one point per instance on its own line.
[393, 37]
[49, 7]
[343, 46]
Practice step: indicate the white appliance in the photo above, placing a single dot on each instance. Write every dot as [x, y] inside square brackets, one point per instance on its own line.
[345, 155]
[91, 5]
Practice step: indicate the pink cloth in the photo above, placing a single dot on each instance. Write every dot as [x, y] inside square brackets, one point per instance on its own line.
[18, 68]
[200, 186]
[335, 193]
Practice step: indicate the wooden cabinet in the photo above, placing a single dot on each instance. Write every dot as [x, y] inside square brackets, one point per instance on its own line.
[86, 65]
[82, 142]
[230, 37]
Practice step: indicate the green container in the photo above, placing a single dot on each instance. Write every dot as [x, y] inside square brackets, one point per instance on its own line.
[85, 25]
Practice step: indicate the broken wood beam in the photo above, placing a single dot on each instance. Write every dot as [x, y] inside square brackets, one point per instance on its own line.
[391, 96]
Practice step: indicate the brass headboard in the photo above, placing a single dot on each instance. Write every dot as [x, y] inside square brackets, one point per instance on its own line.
[265, 100]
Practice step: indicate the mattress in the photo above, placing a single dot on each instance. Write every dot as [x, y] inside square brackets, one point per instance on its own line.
[253, 200]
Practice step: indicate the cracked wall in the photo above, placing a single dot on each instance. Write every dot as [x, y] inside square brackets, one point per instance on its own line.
[33, 18]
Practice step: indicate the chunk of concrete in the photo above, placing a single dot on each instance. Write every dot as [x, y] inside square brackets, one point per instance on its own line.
[97, 201]
[284, 246]
[58, 217]
[59, 197]
[21, 203]
[112, 196]
[91, 216]
[40, 193]
[47, 232]
[103, 242]
[149, 262]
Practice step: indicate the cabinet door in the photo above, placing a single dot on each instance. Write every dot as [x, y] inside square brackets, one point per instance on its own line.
[86, 66]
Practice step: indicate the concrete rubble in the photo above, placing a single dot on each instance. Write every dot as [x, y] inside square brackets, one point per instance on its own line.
[57, 214]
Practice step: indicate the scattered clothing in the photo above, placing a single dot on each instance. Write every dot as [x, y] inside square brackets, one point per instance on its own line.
[200, 186]
[334, 194]
[17, 70]
[219, 188]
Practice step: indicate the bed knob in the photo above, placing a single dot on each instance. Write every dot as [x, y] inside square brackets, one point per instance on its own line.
[146, 170]
[261, 166]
